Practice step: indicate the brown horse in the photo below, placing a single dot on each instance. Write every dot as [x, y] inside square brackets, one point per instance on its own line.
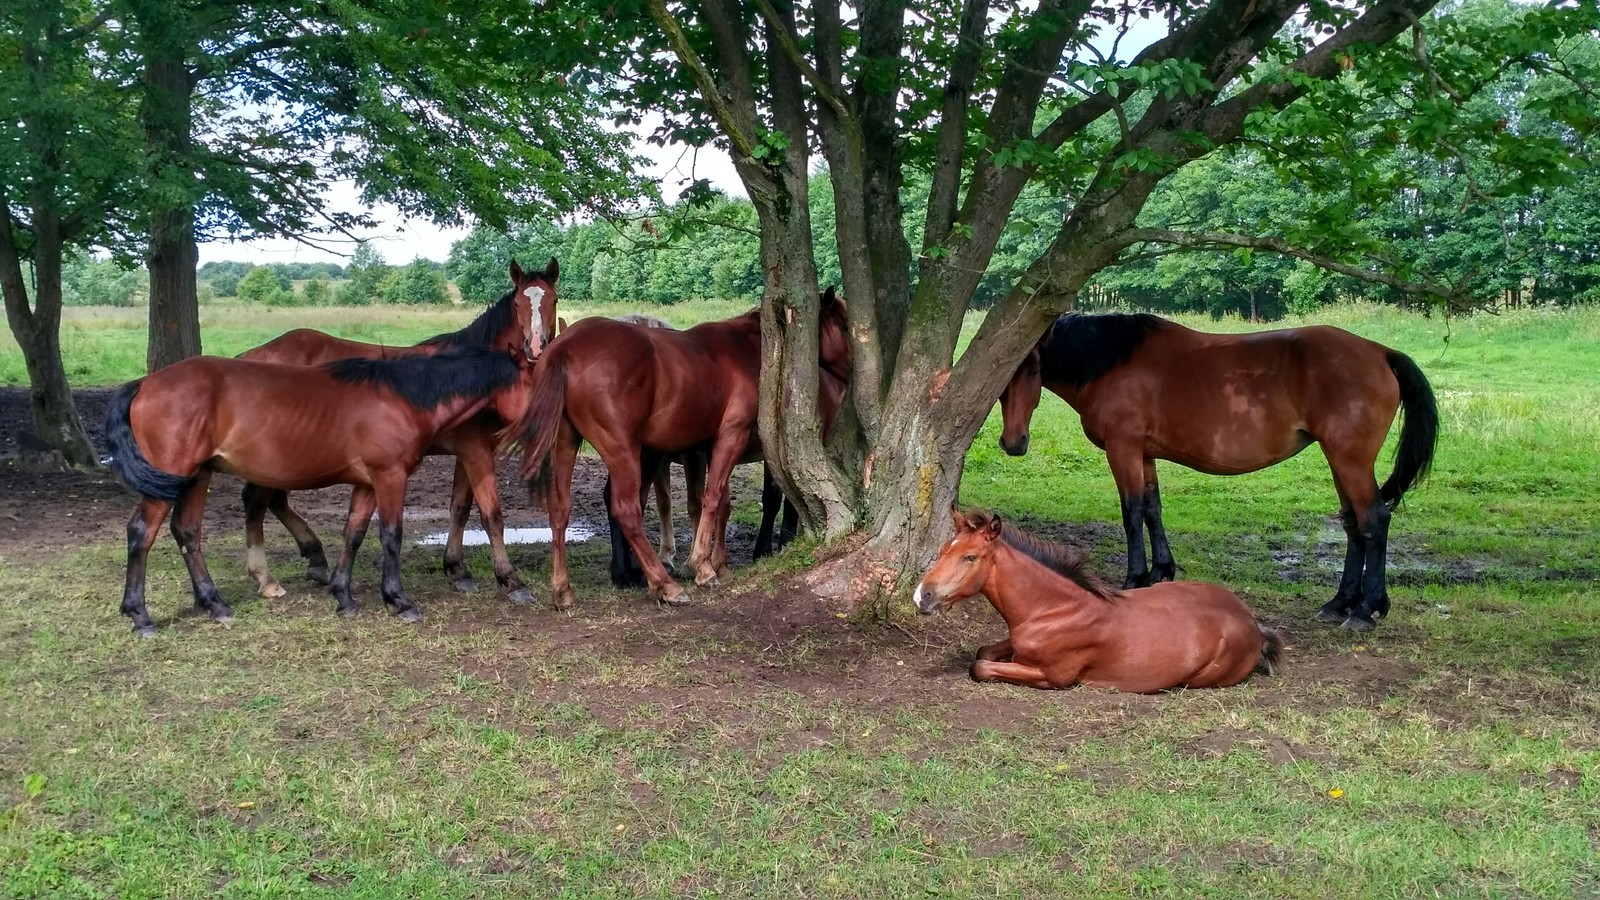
[524, 320]
[361, 422]
[624, 568]
[1147, 388]
[1065, 626]
[623, 389]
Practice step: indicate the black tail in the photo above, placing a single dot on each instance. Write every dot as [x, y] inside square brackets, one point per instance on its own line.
[126, 460]
[541, 424]
[1418, 433]
[1270, 650]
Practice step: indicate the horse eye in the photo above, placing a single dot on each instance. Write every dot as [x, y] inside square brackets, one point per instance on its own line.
[970, 557]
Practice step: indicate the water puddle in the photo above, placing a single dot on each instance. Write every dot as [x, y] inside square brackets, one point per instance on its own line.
[477, 537]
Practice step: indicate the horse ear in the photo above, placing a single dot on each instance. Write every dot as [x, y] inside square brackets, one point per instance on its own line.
[552, 271]
[516, 273]
[561, 324]
[960, 520]
[992, 527]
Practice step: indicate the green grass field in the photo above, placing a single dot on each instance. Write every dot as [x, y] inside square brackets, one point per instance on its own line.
[761, 744]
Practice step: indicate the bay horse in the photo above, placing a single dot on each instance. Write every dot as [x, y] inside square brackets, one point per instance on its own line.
[624, 568]
[362, 422]
[1146, 388]
[523, 319]
[1065, 626]
[623, 389]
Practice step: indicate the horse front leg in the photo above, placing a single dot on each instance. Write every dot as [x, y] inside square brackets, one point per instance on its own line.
[999, 651]
[462, 488]
[1127, 468]
[558, 505]
[390, 490]
[255, 542]
[142, 531]
[304, 538]
[362, 503]
[1011, 673]
[1164, 568]
[475, 462]
[186, 520]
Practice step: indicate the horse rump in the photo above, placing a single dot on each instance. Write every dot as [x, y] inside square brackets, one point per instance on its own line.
[1419, 432]
[126, 461]
[540, 425]
[1271, 649]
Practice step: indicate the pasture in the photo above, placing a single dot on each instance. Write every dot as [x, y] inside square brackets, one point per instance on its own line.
[764, 742]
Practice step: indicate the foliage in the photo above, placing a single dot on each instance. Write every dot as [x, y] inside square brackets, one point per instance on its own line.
[101, 282]
[364, 276]
[420, 281]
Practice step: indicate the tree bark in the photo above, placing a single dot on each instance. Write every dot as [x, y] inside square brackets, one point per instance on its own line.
[172, 254]
[38, 333]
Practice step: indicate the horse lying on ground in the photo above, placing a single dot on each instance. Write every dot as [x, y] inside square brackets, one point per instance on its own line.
[523, 320]
[362, 422]
[1147, 388]
[624, 388]
[1067, 627]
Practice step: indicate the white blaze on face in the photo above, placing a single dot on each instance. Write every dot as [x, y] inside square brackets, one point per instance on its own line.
[917, 597]
[535, 295]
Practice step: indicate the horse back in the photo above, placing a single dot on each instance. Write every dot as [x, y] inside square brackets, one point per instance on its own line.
[309, 347]
[1181, 634]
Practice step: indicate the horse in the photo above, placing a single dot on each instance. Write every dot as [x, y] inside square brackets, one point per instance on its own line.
[624, 568]
[624, 388]
[1065, 626]
[524, 319]
[362, 422]
[1147, 388]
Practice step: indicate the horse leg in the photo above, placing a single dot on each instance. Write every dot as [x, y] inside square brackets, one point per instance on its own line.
[1010, 673]
[462, 488]
[710, 546]
[558, 504]
[669, 540]
[475, 465]
[791, 524]
[142, 531]
[1367, 531]
[771, 504]
[304, 538]
[625, 571]
[1127, 468]
[186, 519]
[999, 651]
[390, 490]
[362, 503]
[625, 465]
[255, 541]
[694, 486]
[1163, 566]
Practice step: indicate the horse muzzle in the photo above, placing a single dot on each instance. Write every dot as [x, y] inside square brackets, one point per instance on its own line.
[927, 604]
[1019, 447]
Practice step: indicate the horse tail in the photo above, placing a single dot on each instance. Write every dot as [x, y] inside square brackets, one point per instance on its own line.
[1418, 433]
[1271, 649]
[127, 461]
[541, 423]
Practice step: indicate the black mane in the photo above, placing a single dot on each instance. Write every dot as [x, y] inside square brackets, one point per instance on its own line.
[427, 381]
[1081, 348]
[482, 330]
[1068, 562]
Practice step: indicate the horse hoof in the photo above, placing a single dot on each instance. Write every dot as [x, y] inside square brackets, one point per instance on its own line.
[225, 620]
[466, 585]
[319, 574]
[348, 612]
[1358, 622]
[1333, 612]
[412, 615]
[681, 598]
[520, 595]
[272, 591]
[148, 631]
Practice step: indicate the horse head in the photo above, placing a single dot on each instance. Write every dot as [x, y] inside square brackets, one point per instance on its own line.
[834, 343]
[535, 306]
[963, 565]
[1019, 399]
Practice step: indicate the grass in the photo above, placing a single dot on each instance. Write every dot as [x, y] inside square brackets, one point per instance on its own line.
[757, 745]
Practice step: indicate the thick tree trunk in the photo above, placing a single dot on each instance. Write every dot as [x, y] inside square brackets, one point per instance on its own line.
[38, 333]
[172, 255]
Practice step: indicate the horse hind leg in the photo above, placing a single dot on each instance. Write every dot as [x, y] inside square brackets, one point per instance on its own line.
[1163, 567]
[1127, 468]
[187, 517]
[623, 567]
[255, 549]
[558, 503]
[1362, 594]
[390, 491]
[455, 556]
[669, 539]
[304, 538]
[142, 531]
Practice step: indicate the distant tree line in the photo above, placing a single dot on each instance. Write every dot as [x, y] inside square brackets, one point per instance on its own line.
[367, 279]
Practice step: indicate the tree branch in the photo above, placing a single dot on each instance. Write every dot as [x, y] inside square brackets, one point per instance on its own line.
[785, 36]
[743, 142]
[1452, 296]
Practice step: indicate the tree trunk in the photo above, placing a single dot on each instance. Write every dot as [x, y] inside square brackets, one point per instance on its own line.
[38, 333]
[172, 254]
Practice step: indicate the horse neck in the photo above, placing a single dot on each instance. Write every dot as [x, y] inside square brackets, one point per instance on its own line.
[453, 412]
[1022, 588]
